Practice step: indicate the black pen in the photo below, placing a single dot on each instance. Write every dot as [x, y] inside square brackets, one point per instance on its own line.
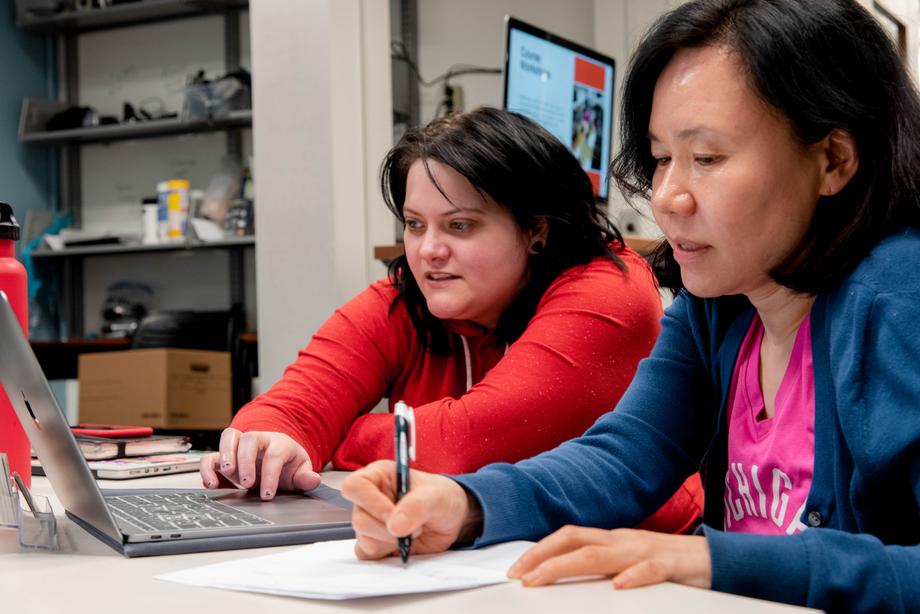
[405, 450]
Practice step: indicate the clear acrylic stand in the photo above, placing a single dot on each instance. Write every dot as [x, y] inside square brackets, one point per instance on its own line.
[38, 528]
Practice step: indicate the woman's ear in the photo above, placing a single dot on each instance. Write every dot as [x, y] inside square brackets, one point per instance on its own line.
[841, 161]
[538, 235]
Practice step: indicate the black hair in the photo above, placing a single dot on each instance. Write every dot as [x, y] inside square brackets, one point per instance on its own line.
[523, 168]
[824, 65]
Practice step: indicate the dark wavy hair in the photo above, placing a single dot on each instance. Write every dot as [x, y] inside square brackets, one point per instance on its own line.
[523, 168]
[823, 64]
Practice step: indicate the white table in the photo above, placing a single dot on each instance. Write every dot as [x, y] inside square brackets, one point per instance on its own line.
[86, 576]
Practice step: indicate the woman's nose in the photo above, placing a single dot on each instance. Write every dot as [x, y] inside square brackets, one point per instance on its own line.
[433, 246]
[671, 194]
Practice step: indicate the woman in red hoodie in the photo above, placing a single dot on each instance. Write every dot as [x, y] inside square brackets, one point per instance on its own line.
[515, 319]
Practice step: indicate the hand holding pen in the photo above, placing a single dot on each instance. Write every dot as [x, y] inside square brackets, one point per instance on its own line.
[437, 513]
[405, 450]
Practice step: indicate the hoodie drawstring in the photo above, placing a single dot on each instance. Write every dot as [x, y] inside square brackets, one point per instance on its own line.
[468, 362]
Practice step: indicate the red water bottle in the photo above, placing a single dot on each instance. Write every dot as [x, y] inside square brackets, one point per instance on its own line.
[13, 283]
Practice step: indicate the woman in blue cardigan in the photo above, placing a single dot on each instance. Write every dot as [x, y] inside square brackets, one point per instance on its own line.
[779, 144]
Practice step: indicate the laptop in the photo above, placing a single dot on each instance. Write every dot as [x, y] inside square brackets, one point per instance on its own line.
[145, 522]
[131, 467]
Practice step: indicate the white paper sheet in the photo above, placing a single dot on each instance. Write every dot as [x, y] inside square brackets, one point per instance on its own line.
[329, 570]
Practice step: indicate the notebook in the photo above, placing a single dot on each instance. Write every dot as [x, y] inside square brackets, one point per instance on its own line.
[153, 521]
[98, 448]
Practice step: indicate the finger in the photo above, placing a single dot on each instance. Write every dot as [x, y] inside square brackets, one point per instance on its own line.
[566, 539]
[247, 453]
[228, 442]
[415, 509]
[370, 489]
[274, 458]
[643, 573]
[366, 526]
[208, 469]
[593, 560]
[211, 478]
[368, 549]
[304, 478]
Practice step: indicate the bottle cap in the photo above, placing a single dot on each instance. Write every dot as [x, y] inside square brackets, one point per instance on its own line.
[9, 228]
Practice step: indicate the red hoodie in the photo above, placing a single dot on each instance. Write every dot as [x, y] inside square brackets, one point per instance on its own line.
[573, 362]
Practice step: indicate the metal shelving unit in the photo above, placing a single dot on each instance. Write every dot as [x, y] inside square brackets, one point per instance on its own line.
[66, 27]
[133, 13]
[139, 248]
[140, 130]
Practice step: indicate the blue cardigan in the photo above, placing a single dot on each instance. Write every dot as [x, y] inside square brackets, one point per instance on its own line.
[861, 551]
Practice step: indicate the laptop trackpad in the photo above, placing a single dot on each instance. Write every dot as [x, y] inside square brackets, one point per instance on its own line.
[324, 504]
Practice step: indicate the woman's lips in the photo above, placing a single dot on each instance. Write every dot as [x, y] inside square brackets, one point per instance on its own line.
[436, 280]
[686, 251]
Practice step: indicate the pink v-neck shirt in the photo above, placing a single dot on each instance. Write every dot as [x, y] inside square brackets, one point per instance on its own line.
[770, 461]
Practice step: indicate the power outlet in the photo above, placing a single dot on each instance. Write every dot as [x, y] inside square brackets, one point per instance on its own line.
[453, 98]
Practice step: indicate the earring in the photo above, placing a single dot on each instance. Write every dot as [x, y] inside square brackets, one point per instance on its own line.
[536, 247]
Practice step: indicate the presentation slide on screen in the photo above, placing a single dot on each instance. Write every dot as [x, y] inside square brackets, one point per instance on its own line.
[568, 94]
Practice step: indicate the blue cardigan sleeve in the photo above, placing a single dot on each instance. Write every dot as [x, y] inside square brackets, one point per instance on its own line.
[625, 466]
[875, 359]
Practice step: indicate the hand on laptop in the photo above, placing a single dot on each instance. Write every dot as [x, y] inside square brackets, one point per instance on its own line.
[259, 459]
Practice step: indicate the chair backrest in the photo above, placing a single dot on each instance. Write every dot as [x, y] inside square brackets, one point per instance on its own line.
[193, 330]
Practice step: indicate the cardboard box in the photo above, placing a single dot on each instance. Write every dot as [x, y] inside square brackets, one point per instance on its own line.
[163, 387]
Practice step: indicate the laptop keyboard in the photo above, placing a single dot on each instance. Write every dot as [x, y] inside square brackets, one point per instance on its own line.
[178, 511]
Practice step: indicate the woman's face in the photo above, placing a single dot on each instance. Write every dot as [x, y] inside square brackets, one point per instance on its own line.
[466, 252]
[733, 191]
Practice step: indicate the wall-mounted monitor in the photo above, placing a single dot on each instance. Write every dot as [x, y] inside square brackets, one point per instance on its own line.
[567, 89]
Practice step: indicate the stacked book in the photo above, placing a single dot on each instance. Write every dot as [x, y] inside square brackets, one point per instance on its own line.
[118, 453]
[100, 448]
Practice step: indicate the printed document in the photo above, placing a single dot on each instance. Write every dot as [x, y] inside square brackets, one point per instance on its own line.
[330, 570]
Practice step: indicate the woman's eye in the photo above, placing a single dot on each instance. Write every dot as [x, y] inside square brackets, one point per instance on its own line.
[707, 160]
[459, 225]
[662, 160]
[412, 224]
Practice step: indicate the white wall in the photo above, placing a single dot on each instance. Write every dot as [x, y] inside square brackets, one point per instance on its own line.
[322, 122]
[473, 32]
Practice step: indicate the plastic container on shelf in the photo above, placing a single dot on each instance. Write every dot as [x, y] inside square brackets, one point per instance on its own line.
[150, 226]
[175, 194]
[13, 283]
[162, 211]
